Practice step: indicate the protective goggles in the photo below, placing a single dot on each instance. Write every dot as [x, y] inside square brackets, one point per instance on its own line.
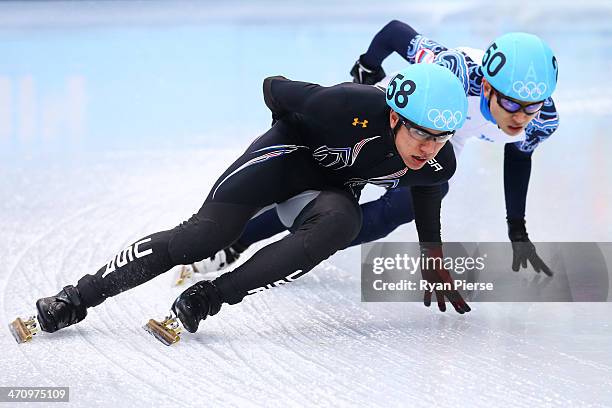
[512, 106]
[422, 135]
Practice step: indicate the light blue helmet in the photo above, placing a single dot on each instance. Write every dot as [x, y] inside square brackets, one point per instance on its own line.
[521, 66]
[428, 95]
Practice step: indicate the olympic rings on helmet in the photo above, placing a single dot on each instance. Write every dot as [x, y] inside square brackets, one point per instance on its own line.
[529, 90]
[445, 118]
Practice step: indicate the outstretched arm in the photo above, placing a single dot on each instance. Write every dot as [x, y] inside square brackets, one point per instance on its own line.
[517, 170]
[426, 201]
[395, 36]
[517, 159]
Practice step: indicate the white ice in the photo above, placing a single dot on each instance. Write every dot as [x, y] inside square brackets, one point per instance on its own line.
[312, 342]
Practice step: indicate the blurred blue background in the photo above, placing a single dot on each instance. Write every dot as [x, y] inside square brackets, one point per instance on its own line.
[79, 77]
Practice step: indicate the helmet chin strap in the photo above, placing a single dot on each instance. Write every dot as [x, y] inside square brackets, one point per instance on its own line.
[485, 107]
[393, 130]
[393, 134]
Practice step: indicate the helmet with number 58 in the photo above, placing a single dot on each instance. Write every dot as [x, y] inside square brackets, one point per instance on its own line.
[428, 104]
[430, 96]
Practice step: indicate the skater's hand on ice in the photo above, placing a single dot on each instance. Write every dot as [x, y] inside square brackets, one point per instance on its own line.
[435, 275]
[523, 249]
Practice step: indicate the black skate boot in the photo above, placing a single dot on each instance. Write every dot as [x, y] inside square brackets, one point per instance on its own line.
[61, 310]
[196, 303]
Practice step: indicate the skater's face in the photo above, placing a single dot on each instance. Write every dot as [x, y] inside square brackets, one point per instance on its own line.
[510, 123]
[414, 152]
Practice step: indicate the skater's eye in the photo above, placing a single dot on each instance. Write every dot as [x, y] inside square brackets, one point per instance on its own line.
[533, 108]
[419, 133]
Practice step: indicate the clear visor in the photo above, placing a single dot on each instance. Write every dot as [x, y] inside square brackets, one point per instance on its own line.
[423, 135]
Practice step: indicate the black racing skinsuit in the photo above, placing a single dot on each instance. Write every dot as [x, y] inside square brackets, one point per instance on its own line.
[332, 139]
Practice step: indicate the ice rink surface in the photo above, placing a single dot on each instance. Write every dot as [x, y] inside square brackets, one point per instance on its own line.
[158, 122]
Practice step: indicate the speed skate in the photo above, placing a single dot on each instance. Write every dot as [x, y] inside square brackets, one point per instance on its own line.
[166, 330]
[23, 330]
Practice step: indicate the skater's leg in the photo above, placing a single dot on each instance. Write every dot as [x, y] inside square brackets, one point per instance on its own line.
[257, 179]
[263, 175]
[325, 225]
[191, 241]
[144, 260]
[266, 224]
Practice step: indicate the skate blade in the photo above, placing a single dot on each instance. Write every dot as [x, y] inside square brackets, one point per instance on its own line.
[185, 274]
[167, 331]
[23, 330]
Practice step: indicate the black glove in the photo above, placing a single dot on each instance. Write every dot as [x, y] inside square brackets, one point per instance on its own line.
[365, 75]
[434, 272]
[523, 249]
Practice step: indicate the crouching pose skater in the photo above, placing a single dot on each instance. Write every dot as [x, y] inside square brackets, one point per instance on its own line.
[325, 145]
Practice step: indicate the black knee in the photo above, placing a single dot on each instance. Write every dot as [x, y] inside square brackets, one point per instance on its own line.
[330, 224]
[214, 227]
[195, 240]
